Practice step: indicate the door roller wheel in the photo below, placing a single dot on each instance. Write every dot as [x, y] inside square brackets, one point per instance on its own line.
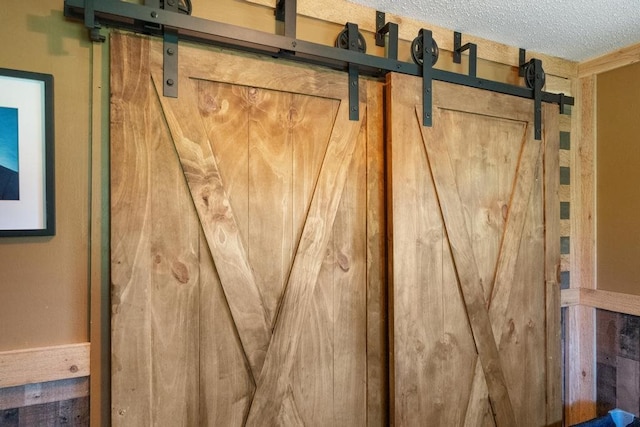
[530, 75]
[417, 52]
[342, 41]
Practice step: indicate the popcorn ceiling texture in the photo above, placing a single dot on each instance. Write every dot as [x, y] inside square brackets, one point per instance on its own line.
[571, 29]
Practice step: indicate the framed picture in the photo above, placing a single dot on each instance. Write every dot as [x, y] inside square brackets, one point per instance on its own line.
[27, 205]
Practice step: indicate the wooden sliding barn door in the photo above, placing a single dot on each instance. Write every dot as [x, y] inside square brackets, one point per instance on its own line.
[474, 213]
[247, 243]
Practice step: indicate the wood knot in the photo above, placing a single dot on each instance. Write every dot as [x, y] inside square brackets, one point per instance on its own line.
[343, 262]
[180, 272]
[253, 95]
[292, 118]
[208, 104]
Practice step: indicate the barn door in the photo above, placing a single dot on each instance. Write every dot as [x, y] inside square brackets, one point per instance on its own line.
[475, 249]
[247, 242]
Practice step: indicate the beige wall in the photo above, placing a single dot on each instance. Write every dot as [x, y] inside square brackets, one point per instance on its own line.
[44, 280]
[618, 180]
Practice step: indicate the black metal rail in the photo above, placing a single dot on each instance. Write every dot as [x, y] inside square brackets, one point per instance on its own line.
[158, 21]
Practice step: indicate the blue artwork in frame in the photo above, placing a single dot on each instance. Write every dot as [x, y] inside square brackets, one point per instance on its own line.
[27, 203]
[9, 166]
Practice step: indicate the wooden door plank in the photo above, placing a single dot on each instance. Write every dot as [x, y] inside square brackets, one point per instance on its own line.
[478, 404]
[502, 285]
[218, 220]
[313, 370]
[350, 294]
[224, 111]
[131, 225]
[174, 296]
[226, 384]
[288, 136]
[418, 267]
[467, 270]
[377, 307]
[520, 199]
[312, 379]
[275, 377]
[271, 120]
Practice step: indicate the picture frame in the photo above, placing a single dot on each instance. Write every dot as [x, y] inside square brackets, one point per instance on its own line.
[27, 199]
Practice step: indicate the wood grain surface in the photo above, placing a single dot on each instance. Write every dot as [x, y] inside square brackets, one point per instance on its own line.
[477, 177]
[255, 276]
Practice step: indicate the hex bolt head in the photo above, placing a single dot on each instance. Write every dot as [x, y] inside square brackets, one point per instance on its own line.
[170, 82]
[170, 51]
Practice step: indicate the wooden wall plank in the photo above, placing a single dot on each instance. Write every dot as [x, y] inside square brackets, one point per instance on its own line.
[73, 412]
[569, 297]
[37, 365]
[580, 384]
[612, 301]
[552, 265]
[46, 392]
[610, 61]
[580, 397]
[583, 185]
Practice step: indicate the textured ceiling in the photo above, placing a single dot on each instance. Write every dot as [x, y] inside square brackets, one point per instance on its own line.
[570, 29]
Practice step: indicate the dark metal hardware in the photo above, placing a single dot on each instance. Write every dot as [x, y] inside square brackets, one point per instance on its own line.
[417, 50]
[522, 53]
[170, 63]
[91, 24]
[170, 56]
[354, 91]
[427, 43]
[538, 73]
[344, 42]
[137, 17]
[458, 49]
[182, 6]
[286, 11]
[383, 28]
[392, 47]
[529, 72]
[380, 23]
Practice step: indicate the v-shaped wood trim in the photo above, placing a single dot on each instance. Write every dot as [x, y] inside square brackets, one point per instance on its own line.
[274, 382]
[467, 271]
[528, 166]
[222, 234]
[218, 221]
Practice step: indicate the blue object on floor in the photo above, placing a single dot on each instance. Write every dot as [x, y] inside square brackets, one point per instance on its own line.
[615, 418]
